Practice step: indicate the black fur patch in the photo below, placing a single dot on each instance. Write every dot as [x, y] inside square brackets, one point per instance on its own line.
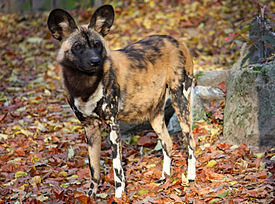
[111, 87]
[92, 185]
[114, 150]
[77, 113]
[117, 184]
[179, 99]
[91, 170]
[80, 84]
[171, 39]
[188, 81]
[119, 174]
[143, 51]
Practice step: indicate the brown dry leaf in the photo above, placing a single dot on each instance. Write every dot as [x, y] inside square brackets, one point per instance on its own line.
[20, 152]
[262, 174]
[84, 173]
[176, 198]
[211, 175]
[148, 140]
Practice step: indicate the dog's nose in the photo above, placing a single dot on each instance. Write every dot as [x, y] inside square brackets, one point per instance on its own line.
[95, 60]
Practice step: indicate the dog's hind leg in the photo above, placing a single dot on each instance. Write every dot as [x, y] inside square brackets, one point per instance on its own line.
[158, 124]
[181, 102]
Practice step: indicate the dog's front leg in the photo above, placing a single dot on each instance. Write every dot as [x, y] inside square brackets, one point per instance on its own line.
[93, 138]
[117, 156]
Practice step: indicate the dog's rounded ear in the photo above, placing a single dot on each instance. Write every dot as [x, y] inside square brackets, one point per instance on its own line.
[61, 24]
[102, 19]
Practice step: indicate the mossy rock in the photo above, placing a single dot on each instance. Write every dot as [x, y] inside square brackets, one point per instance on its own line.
[249, 115]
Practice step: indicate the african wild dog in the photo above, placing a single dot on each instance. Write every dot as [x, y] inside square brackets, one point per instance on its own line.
[130, 84]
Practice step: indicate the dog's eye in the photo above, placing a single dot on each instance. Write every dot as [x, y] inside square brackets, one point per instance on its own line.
[97, 45]
[77, 46]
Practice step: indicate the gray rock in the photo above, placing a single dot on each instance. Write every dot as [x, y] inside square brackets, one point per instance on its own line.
[173, 125]
[211, 78]
[208, 93]
[202, 97]
[249, 115]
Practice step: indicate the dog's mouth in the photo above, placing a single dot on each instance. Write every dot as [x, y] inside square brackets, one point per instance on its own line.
[91, 68]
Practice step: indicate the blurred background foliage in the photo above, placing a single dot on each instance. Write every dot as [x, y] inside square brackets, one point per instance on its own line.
[208, 27]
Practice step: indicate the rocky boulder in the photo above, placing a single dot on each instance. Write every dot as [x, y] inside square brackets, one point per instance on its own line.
[249, 115]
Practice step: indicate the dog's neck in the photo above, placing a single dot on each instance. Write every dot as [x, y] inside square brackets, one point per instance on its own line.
[80, 84]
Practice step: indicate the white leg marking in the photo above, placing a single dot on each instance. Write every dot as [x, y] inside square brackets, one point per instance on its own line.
[117, 167]
[191, 171]
[187, 92]
[119, 190]
[166, 165]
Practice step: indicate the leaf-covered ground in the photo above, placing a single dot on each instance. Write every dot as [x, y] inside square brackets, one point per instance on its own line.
[42, 146]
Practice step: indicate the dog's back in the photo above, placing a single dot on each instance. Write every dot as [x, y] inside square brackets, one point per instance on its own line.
[145, 71]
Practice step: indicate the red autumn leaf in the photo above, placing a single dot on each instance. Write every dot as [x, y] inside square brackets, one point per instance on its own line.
[2, 116]
[262, 174]
[20, 152]
[223, 146]
[85, 199]
[250, 178]
[148, 140]
[222, 86]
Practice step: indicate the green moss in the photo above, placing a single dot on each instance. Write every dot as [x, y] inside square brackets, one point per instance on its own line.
[250, 135]
[265, 76]
[198, 74]
[241, 123]
[257, 68]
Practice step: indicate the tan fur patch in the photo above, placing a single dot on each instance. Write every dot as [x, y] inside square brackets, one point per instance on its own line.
[142, 89]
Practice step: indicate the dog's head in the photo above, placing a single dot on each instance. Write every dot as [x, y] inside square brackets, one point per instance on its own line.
[83, 47]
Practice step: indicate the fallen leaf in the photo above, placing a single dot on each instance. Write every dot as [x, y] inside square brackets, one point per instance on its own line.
[19, 174]
[211, 163]
[222, 195]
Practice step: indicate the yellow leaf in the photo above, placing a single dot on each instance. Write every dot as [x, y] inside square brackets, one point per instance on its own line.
[211, 163]
[233, 183]
[19, 174]
[22, 188]
[184, 180]
[42, 198]
[35, 180]
[63, 173]
[147, 23]
[35, 159]
[72, 177]
[25, 132]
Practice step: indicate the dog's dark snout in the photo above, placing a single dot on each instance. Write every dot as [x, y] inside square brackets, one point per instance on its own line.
[95, 60]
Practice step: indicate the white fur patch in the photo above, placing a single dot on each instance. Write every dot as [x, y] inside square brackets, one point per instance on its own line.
[87, 108]
[103, 107]
[187, 92]
[117, 165]
[64, 25]
[191, 171]
[166, 165]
